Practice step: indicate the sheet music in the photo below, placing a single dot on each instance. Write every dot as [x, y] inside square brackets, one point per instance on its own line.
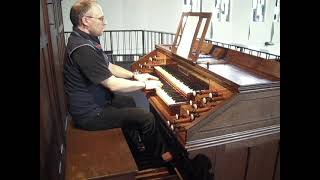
[187, 36]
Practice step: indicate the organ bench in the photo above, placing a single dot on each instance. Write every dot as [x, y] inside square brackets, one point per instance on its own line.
[98, 155]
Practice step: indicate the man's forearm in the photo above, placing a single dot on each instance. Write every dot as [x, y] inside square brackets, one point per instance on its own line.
[120, 72]
[123, 85]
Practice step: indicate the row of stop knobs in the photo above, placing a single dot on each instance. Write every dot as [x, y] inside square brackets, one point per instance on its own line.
[145, 63]
[200, 104]
[194, 112]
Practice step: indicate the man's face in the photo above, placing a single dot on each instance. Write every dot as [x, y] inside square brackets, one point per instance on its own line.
[95, 20]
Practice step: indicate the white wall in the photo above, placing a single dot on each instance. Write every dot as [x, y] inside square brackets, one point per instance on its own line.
[113, 11]
[66, 5]
[240, 18]
[222, 31]
[134, 14]
[236, 31]
[137, 14]
[164, 15]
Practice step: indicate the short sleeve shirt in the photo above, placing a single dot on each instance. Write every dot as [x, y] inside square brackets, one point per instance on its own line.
[91, 64]
[84, 71]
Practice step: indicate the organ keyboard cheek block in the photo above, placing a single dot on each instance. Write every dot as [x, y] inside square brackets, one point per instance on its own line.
[217, 102]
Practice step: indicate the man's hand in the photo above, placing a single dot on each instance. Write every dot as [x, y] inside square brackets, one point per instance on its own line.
[152, 84]
[144, 77]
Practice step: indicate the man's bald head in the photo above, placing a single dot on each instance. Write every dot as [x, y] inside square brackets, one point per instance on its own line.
[79, 9]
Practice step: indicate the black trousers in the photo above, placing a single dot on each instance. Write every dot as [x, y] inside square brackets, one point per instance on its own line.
[135, 122]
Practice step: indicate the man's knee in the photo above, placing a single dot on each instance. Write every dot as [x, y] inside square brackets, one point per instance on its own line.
[124, 101]
[149, 123]
[148, 118]
[131, 102]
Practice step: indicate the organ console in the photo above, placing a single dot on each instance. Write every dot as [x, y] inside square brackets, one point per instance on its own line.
[216, 101]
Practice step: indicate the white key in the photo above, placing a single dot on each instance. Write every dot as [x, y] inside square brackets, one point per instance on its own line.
[168, 122]
[192, 117]
[164, 96]
[195, 106]
[174, 81]
[188, 112]
[204, 100]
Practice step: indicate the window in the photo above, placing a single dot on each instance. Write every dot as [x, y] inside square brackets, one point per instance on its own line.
[192, 6]
[221, 10]
[258, 10]
[187, 5]
[276, 14]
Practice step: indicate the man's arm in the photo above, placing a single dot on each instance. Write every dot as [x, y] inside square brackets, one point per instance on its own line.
[98, 72]
[119, 71]
[123, 73]
[122, 85]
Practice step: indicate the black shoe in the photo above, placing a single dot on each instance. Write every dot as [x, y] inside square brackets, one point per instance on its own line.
[141, 147]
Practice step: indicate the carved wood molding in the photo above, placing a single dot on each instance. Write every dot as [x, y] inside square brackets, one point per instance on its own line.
[232, 137]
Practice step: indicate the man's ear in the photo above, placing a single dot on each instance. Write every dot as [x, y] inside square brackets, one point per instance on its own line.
[84, 21]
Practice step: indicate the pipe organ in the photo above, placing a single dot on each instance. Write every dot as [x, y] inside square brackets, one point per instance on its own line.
[216, 101]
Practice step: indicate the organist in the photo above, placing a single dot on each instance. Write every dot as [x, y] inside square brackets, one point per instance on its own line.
[91, 80]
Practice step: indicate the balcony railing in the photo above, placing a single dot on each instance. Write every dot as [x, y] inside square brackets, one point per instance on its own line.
[247, 50]
[130, 45]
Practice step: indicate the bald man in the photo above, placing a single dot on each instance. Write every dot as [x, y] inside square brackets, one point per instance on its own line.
[91, 81]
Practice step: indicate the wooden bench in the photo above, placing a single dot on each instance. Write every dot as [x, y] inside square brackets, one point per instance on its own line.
[98, 155]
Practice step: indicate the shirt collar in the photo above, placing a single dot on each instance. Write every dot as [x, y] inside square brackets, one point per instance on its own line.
[86, 35]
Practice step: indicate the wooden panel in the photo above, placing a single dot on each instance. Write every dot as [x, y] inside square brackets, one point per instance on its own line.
[50, 14]
[51, 104]
[262, 161]
[45, 120]
[268, 68]
[57, 63]
[62, 58]
[92, 154]
[58, 50]
[52, 94]
[230, 165]
[59, 17]
[277, 171]
[205, 47]
[49, 146]
[50, 143]
[210, 153]
[155, 173]
[253, 158]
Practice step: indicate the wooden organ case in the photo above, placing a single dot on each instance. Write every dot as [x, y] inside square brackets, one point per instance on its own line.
[218, 102]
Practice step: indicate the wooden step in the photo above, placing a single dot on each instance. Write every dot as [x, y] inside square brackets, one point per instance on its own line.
[156, 174]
